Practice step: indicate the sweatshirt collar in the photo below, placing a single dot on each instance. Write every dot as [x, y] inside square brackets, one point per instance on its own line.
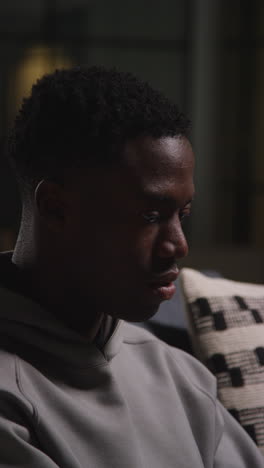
[26, 322]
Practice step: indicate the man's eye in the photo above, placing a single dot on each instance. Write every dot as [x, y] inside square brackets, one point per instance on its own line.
[184, 214]
[151, 217]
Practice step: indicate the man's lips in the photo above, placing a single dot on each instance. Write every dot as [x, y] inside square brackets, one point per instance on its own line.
[163, 286]
[165, 279]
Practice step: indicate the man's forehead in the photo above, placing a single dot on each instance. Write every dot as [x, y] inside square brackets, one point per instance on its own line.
[149, 168]
[148, 152]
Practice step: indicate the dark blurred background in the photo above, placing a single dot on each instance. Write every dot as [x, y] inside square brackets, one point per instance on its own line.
[207, 55]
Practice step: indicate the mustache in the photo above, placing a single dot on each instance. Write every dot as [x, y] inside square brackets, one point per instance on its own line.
[161, 266]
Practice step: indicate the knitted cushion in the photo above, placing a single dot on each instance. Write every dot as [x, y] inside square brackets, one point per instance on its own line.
[226, 324]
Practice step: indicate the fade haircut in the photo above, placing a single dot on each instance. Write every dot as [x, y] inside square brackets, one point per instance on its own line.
[81, 117]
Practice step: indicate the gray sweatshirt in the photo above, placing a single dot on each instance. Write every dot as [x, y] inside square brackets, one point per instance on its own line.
[134, 403]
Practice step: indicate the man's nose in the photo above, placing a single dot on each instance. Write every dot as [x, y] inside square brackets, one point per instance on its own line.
[172, 241]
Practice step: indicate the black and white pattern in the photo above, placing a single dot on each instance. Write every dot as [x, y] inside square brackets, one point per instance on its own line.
[220, 313]
[238, 368]
[226, 324]
[253, 422]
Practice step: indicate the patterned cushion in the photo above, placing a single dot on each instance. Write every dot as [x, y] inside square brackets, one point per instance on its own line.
[226, 324]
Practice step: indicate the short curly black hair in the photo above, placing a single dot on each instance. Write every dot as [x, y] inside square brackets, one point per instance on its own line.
[84, 116]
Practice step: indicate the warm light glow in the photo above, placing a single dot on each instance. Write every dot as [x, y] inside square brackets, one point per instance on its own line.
[37, 61]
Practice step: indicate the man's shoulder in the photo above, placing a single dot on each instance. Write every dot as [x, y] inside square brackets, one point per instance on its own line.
[9, 373]
[186, 369]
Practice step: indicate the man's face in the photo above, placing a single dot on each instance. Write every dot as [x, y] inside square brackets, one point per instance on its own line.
[125, 235]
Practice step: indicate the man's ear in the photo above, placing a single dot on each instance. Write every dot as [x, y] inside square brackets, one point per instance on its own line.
[50, 204]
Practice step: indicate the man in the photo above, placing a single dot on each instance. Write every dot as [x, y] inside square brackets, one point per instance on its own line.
[105, 171]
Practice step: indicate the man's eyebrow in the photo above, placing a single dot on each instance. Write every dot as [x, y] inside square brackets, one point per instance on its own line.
[155, 196]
